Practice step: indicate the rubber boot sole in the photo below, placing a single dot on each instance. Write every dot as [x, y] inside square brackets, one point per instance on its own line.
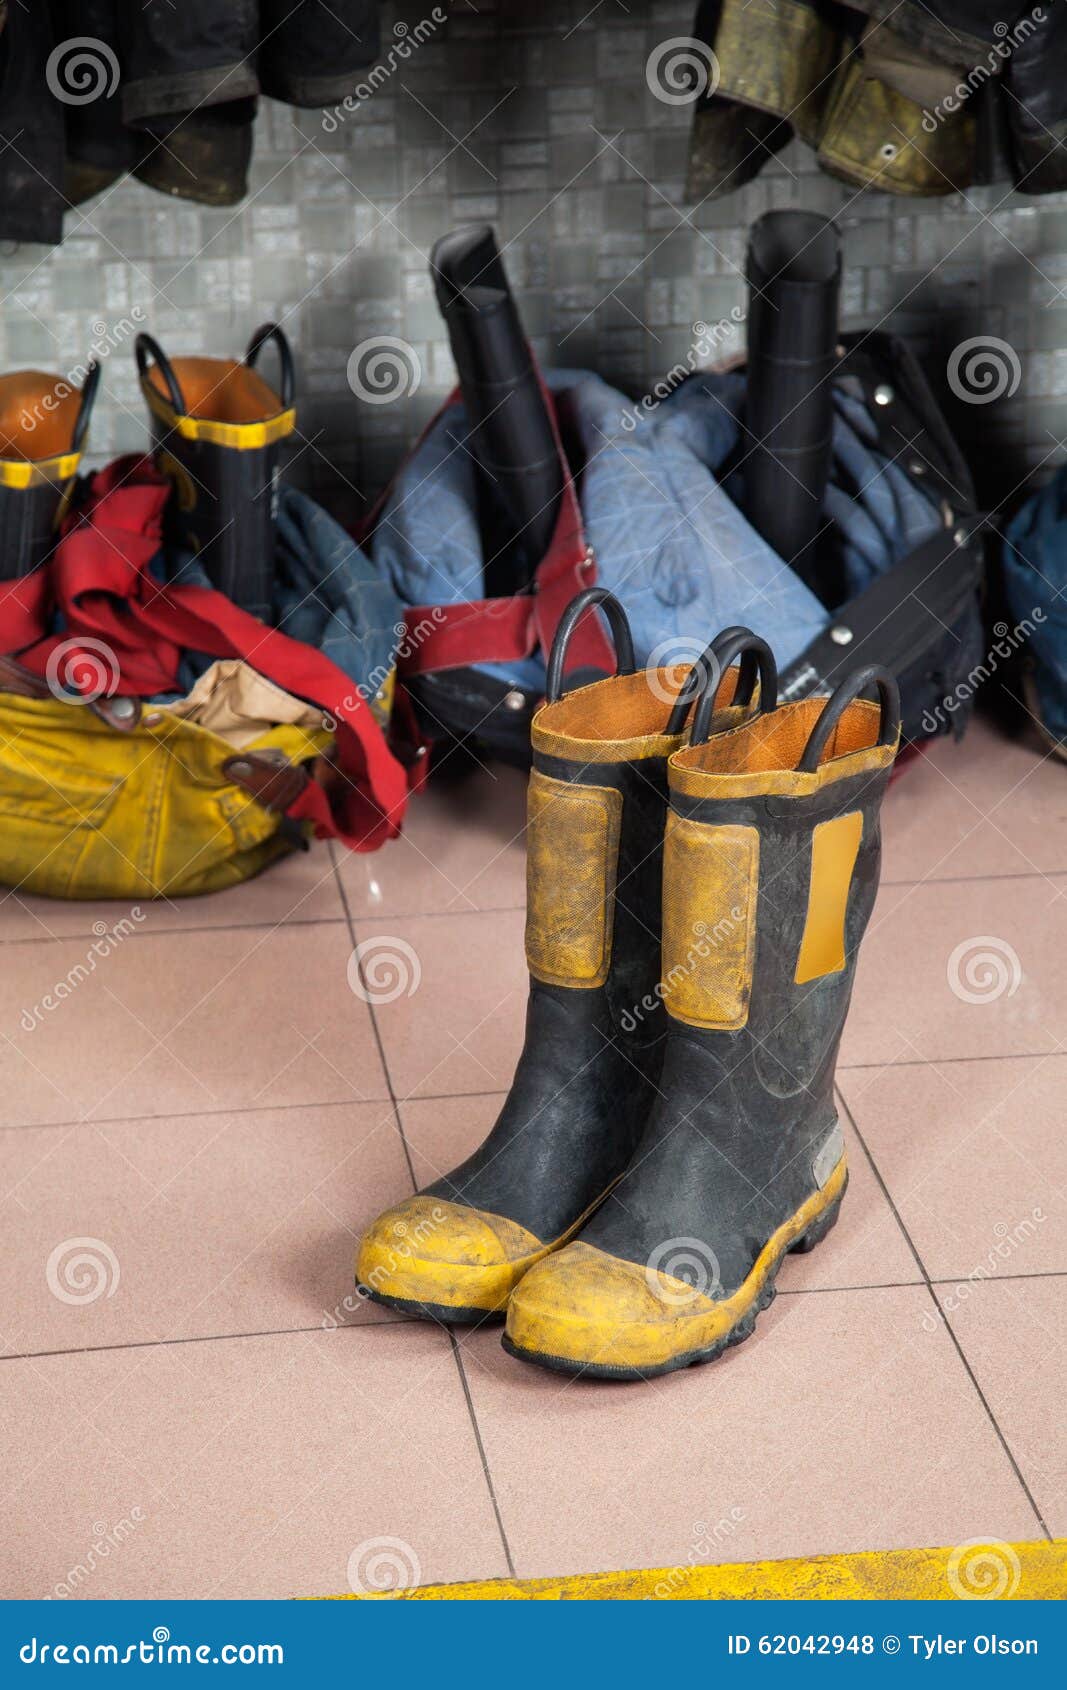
[743, 1328]
[443, 1315]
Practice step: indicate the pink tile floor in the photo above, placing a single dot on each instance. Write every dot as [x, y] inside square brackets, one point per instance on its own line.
[201, 1408]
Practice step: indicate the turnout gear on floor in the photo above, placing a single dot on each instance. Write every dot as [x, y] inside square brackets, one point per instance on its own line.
[770, 870]
[44, 421]
[1034, 565]
[594, 1024]
[106, 648]
[123, 801]
[217, 426]
[653, 509]
[904, 97]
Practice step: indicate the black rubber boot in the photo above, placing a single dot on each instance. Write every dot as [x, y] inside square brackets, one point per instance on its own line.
[595, 1023]
[44, 421]
[770, 872]
[217, 427]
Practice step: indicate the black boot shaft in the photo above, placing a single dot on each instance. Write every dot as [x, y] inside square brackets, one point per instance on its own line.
[595, 1023]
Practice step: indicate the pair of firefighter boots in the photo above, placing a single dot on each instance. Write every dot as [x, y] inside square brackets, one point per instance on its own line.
[217, 426]
[696, 900]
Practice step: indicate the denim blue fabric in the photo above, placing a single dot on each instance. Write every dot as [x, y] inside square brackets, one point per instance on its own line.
[328, 594]
[669, 538]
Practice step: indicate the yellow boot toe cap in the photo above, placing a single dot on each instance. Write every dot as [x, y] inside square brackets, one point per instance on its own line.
[442, 1257]
[588, 1311]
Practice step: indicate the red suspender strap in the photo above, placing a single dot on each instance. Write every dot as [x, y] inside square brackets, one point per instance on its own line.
[99, 580]
[453, 636]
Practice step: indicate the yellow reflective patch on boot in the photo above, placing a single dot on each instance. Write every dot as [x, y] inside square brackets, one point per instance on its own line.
[710, 875]
[572, 843]
[834, 846]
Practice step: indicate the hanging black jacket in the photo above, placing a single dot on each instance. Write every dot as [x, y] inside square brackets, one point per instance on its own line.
[91, 89]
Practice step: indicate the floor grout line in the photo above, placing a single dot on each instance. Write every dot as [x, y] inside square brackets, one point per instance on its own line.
[945, 1061]
[453, 1345]
[977, 879]
[201, 1114]
[207, 1338]
[181, 1114]
[407, 1321]
[1027, 1492]
[278, 923]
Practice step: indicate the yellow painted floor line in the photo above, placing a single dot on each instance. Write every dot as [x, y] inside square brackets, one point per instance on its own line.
[984, 1568]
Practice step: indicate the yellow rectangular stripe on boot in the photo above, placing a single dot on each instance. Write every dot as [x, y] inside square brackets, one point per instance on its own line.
[572, 850]
[834, 848]
[710, 875]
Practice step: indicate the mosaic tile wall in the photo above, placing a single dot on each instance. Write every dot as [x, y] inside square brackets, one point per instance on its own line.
[537, 118]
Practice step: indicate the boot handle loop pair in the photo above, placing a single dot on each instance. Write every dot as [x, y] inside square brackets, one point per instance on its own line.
[702, 682]
[620, 633]
[271, 331]
[873, 675]
[145, 349]
[85, 409]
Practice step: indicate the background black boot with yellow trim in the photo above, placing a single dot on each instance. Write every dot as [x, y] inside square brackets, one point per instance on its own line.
[771, 867]
[217, 426]
[44, 421]
[595, 1024]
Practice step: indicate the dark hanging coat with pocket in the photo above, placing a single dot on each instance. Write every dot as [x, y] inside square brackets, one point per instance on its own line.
[914, 98]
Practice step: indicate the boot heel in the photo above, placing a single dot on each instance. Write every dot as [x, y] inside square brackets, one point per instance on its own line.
[819, 1227]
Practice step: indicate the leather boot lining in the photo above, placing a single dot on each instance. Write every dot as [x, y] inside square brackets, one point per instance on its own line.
[220, 390]
[626, 714]
[37, 415]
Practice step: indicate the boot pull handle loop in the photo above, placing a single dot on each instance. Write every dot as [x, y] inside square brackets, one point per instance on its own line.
[707, 667]
[873, 675]
[620, 633]
[145, 348]
[85, 409]
[756, 657]
[271, 331]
